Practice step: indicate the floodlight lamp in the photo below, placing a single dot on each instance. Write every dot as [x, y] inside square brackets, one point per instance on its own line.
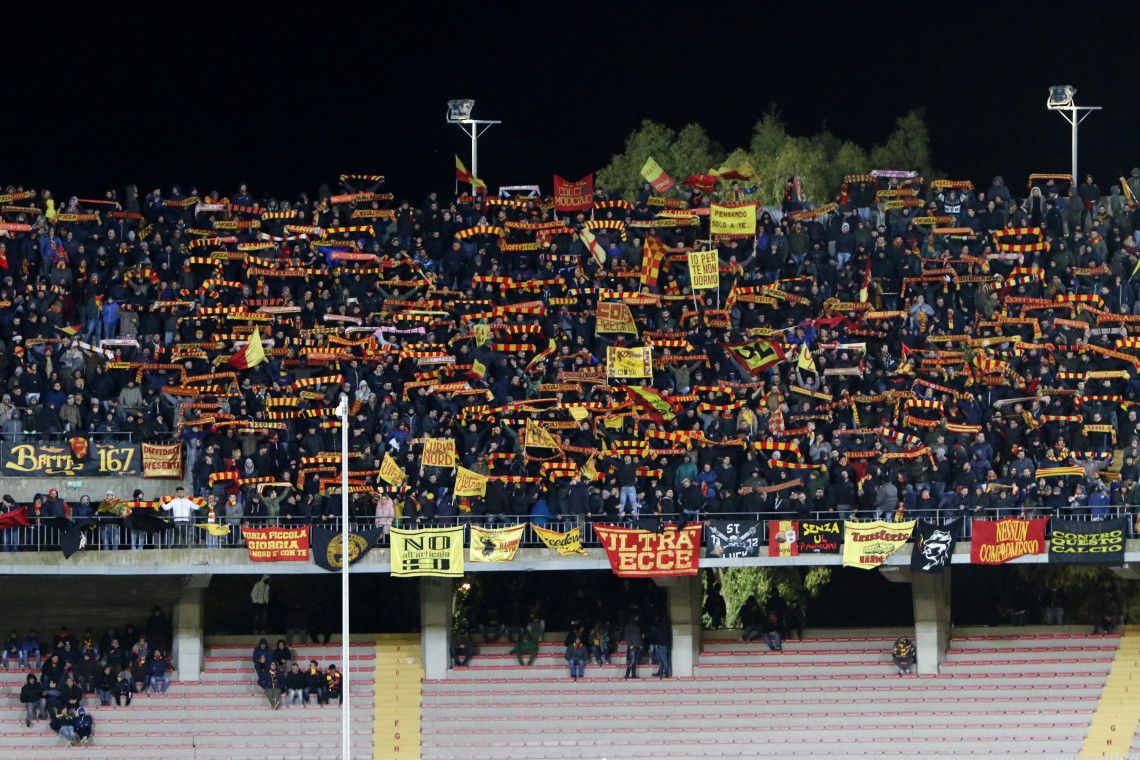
[459, 110]
[1061, 96]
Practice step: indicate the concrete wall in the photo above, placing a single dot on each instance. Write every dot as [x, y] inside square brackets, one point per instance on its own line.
[72, 487]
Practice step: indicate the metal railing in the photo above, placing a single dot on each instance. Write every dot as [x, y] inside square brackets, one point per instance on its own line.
[110, 534]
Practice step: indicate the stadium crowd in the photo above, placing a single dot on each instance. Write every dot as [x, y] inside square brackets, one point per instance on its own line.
[912, 347]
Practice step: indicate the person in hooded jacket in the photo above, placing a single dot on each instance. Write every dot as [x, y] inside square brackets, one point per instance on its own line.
[262, 655]
[272, 681]
[83, 725]
[32, 698]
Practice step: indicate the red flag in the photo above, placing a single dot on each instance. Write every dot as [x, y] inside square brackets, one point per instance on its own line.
[15, 518]
[252, 355]
[703, 182]
[651, 260]
[574, 196]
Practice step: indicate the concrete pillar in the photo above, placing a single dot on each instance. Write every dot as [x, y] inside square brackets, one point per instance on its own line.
[435, 625]
[188, 649]
[931, 595]
[685, 596]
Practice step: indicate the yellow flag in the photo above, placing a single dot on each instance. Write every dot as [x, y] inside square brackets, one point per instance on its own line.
[391, 473]
[589, 470]
[615, 318]
[468, 483]
[656, 176]
[806, 361]
[593, 246]
[438, 452]
[579, 413]
[478, 369]
[482, 334]
[538, 436]
[704, 269]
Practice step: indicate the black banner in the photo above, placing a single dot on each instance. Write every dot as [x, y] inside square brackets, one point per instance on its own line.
[727, 538]
[819, 536]
[934, 546]
[325, 546]
[1100, 542]
[101, 459]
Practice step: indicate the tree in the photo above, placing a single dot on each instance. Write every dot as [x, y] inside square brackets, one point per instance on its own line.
[736, 584]
[821, 160]
[689, 151]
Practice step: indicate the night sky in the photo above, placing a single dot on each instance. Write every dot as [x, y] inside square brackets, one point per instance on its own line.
[285, 98]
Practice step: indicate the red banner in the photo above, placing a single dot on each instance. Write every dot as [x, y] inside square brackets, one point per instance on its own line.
[574, 196]
[645, 554]
[998, 541]
[277, 544]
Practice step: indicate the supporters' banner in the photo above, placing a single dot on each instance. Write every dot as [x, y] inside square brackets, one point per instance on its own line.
[431, 551]
[757, 355]
[733, 221]
[36, 459]
[615, 318]
[438, 452]
[783, 538]
[277, 544]
[656, 176]
[391, 473]
[162, 460]
[704, 269]
[732, 539]
[328, 546]
[629, 362]
[1100, 542]
[573, 196]
[563, 543]
[934, 546]
[646, 554]
[468, 483]
[993, 542]
[495, 544]
[819, 537]
[651, 398]
[868, 544]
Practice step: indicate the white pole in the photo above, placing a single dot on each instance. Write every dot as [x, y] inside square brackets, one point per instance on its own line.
[346, 747]
[1074, 122]
[474, 156]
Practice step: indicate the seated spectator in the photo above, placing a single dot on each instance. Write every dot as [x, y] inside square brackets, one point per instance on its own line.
[525, 647]
[751, 621]
[314, 683]
[600, 643]
[70, 694]
[32, 698]
[105, 686]
[492, 627]
[31, 649]
[53, 668]
[14, 652]
[904, 655]
[271, 680]
[61, 723]
[295, 684]
[124, 688]
[83, 725]
[54, 702]
[462, 649]
[772, 633]
[282, 655]
[140, 674]
[158, 668]
[577, 651]
[332, 685]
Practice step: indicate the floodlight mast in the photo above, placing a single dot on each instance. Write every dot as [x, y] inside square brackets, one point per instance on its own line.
[1061, 100]
[459, 113]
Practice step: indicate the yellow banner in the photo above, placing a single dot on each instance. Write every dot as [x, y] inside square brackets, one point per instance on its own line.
[495, 545]
[563, 543]
[438, 452]
[468, 483]
[431, 551]
[539, 437]
[482, 334]
[391, 472]
[732, 220]
[629, 362]
[615, 318]
[704, 269]
[868, 544]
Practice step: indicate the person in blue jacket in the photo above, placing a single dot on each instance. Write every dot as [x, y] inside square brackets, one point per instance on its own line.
[83, 724]
[272, 681]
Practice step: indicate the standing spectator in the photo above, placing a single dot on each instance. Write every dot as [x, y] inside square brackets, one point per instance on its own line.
[662, 643]
[182, 509]
[259, 596]
[633, 644]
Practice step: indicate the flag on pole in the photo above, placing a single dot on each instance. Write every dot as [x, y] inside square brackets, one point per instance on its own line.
[252, 355]
[656, 176]
[594, 247]
[463, 175]
[866, 289]
[798, 189]
[806, 361]
[651, 261]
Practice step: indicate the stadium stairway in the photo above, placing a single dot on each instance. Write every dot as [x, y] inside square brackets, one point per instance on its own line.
[223, 717]
[1018, 692]
[399, 674]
